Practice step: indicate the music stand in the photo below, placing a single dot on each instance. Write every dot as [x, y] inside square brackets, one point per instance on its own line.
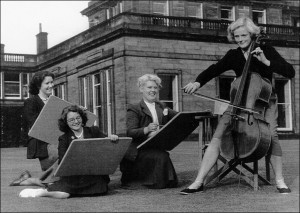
[175, 131]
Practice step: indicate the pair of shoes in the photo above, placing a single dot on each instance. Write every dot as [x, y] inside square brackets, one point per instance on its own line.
[24, 176]
[284, 190]
[190, 191]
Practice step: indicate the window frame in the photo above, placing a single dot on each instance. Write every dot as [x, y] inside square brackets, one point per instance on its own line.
[201, 10]
[19, 95]
[288, 92]
[232, 10]
[264, 17]
[62, 91]
[176, 92]
[106, 93]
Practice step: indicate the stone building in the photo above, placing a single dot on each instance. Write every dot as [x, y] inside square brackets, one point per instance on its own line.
[176, 40]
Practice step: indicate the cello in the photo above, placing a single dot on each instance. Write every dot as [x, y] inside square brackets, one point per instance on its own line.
[249, 137]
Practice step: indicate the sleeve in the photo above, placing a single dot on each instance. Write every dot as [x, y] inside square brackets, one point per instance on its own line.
[63, 146]
[134, 129]
[278, 64]
[215, 70]
[30, 111]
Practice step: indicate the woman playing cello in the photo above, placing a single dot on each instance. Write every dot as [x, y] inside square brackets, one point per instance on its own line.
[265, 61]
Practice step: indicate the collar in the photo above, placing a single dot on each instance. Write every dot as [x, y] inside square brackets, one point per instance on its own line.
[44, 99]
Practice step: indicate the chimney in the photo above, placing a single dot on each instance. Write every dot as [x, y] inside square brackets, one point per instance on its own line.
[41, 41]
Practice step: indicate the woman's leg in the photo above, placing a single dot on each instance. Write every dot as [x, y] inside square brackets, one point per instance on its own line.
[209, 159]
[271, 116]
[32, 182]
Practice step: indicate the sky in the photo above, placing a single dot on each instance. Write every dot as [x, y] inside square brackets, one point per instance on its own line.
[20, 23]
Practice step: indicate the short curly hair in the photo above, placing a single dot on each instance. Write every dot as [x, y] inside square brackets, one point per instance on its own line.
[242, 22]
[148, 77]
[37, 80]
[62, 121]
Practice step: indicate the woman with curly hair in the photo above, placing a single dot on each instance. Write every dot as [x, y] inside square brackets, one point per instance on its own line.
[72, 122]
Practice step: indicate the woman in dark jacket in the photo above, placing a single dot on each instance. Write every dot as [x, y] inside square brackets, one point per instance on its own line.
[151, 166]
[41, 87]
[266, 61]
[72, 123]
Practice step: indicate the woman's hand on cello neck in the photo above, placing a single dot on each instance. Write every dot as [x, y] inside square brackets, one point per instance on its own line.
[191, 87]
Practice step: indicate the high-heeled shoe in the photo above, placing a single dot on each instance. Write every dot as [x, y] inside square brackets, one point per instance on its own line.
[190, 191]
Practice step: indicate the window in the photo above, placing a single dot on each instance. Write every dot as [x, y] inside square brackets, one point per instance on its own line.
[14, 85]
[227, 13]
[84, 91]
[295, 21]
[224, 87]
[160, 8]
[168, 94]
[283, 91]
[243, 11]
[1, 84]
[25, 85]
[194, 9]
[60, 91]
[223, 90]
[115, 10]
[259, 16]
[102, 100]
[11, 85]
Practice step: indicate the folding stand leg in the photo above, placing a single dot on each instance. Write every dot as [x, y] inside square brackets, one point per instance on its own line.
[236, 166]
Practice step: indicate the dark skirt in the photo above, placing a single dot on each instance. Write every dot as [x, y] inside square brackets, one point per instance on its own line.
[81, 185]
[153, 167]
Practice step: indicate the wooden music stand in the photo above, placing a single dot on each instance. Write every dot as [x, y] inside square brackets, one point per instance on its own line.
[93, 156]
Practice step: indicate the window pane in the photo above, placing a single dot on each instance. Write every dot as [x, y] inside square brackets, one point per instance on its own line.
[224, 87]
[11, 90]
[166, 92]
[243, 11]
[194, 9]
[25, 78]
[284, 116]
[11, 77]
[97, 78]
[160, 7]
[25, 91]
[282, 89]
[258, 17]
[226, 13]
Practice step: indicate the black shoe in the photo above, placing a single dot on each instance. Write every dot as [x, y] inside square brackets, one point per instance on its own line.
[190, 191]
[24, 176]
[284, 190]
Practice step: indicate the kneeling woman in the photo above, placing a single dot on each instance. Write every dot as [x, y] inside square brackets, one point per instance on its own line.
[151, 166]
[72, 123]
